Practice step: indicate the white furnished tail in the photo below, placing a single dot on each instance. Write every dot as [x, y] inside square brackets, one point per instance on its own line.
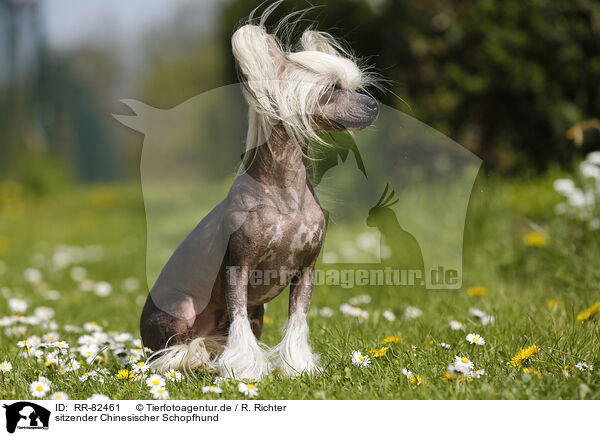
[199, 353]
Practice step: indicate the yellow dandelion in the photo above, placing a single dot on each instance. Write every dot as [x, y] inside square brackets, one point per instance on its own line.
[125, 374]
[477, 291]
[378, 352]
[523, 356]
[588, 313]
[391, 340]
[535, 239]
[416, 379]
[447, 377]
[552, 304]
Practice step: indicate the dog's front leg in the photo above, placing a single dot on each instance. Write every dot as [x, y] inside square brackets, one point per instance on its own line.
[294, 354]
[243, 357]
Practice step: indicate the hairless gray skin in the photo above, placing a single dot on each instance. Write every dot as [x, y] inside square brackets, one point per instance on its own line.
[275, 223]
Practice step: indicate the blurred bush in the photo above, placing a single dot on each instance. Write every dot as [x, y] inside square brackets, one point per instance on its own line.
[505, 79]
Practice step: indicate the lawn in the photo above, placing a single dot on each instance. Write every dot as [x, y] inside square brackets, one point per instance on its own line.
[81, 253]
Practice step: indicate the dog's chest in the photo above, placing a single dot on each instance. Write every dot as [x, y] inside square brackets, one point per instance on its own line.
[293, 241]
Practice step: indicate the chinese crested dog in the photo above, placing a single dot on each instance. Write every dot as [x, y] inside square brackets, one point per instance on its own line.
[206, 308]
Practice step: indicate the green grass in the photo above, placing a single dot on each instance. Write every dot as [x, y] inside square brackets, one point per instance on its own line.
[520, 281]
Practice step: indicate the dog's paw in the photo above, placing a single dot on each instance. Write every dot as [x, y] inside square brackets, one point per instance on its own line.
[296, 365]
[243, 357]
[251, 363]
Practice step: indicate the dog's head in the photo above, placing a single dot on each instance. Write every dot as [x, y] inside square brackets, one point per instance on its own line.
[316, 88]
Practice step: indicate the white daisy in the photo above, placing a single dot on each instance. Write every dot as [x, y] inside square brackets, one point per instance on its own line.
[61, 345]
[16, 331]
[86, 285]
[248, 390]
[88, 350]
[92, 327]
[582, 366]
[140, 367]
[131, 284]
[476, 312]
[86, 339]
[5, 366]
[102, 289]
[477, 373]
[212, 389]
[407, 373]
[326, 312]
[155, 381]
[99, 397]
[488, 319]
[137, 352]
[412, 312]
[70, 364]
[51, 294]
[389, 315]
[27, 343]
[33, 275]
[160, 393]
[17, 305]
[350, 310]
[44, 313]
[474, 338]
[78, 273]
[359, 360]
[219, 380]
[59, 396]
[39, 388]
[360, 299]
[363, 315]
[445, 345]
[100, 337]
[456, 325]
[593, 157]
[173, 375]
[462, 364]
[50, 337]
[88, 376]
[69, 328]
[123, 337]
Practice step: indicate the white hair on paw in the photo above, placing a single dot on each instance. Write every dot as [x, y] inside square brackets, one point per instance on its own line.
[199, 353]
[294, 355]
[243, 357]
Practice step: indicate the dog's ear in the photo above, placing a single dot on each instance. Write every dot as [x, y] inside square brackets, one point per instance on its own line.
[258, 54]
[320, 41]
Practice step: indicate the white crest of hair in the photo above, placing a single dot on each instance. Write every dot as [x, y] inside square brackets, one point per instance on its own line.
[294, 355]
[199, 353]
[243, 357]
[286, 87]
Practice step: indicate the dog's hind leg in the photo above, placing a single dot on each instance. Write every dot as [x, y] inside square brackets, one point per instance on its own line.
[294, 354]
[243, 357]
[179, 346]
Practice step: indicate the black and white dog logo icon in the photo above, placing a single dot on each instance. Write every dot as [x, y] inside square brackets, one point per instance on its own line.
[26, 415]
